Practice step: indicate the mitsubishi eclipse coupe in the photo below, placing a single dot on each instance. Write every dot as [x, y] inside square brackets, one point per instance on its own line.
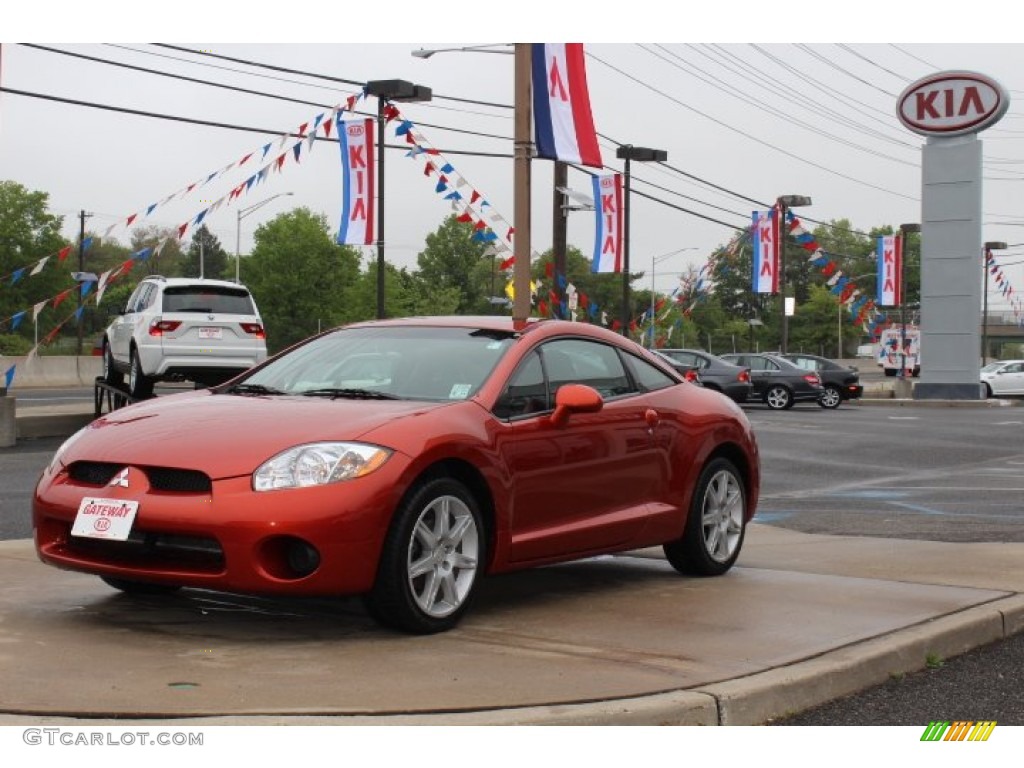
[403, 460]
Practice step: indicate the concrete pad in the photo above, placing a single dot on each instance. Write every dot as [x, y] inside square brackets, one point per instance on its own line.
[609, 640]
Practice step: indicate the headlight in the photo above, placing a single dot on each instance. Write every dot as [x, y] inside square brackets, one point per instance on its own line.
[318, 464]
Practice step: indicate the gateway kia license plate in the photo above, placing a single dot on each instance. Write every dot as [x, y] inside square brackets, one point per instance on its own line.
[105, 518]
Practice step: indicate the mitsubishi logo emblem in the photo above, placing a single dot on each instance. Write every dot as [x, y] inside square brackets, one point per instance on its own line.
[120, 479]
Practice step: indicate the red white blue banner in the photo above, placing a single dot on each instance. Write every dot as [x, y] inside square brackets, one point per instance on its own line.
[608, 216]
[766, 251]
[563, 122]
[890, 264]
[357, 181]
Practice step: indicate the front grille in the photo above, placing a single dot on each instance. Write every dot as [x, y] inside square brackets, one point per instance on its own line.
[154, 550]
[160, 478]
[180, 480]
[93, 472]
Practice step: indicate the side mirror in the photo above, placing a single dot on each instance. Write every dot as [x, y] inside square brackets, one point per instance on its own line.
[575, 398]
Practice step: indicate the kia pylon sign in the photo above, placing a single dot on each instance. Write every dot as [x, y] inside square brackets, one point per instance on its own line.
[952, 104]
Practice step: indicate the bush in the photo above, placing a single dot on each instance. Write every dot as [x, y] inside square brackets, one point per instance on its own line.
[13, 345]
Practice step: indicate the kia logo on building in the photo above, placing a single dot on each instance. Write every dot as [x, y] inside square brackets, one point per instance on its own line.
[952, 104]
[355, 130]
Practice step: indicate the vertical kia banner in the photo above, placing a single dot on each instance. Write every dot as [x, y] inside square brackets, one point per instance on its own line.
[766, 251]
[357, 198]
[608, 219]
[563, 122]
[890, 263]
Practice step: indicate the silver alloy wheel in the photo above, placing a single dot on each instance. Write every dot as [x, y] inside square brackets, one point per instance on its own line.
[777, 397]
[830, 398]
[722, 516]
[442, 558]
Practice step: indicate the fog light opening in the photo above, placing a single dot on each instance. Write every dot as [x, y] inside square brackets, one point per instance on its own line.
[302, 558]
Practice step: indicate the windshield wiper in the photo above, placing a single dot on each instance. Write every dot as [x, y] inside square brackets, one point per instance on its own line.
[253, 389]
[332, 392]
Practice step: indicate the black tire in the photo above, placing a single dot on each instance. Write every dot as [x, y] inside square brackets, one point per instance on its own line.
[831, 397]
[715, 525]
[111, 375]
[778, 397]
[139, 384]
[433, 555]
[987, 390]
[140, 587]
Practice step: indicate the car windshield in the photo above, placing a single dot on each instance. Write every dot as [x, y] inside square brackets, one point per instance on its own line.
[218, 299]
[404, 362]
[992, 367]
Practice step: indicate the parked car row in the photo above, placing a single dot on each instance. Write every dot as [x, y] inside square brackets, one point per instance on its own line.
[779, 381]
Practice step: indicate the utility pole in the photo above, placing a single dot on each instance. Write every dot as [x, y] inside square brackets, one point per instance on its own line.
[559, 225]
[82, 216]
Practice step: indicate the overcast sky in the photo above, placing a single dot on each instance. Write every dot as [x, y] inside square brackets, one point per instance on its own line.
[745, 120]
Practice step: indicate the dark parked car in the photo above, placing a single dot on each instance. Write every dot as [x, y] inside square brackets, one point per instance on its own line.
[777, 382]
[840, 381]
[713, 372]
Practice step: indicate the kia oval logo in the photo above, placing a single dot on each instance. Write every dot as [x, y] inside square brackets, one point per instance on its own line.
[607, 182]
[952, 104]
[355, 130]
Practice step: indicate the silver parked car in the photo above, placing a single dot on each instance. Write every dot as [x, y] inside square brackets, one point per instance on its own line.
[179, 328]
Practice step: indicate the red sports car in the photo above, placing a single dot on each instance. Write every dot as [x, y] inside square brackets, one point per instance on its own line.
[403, 459]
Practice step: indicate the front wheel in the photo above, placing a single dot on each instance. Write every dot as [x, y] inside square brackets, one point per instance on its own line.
[988, 390]
[778, 397]
[715, 526]
[830, 398]
[111, 375]
[431, 559]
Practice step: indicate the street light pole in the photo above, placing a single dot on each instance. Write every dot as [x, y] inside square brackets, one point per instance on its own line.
[654, 261]
[385, 91]
[240, 214]
[628, 153]
[784, 203]
[989, 247]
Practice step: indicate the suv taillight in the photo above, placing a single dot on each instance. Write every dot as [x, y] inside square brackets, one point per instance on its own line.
[692, 375]
[744, 376]
[255, 329]
[813, 379]
[160, 327]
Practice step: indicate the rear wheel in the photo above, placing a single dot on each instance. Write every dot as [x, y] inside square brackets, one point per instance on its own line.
[831, 397]
[111, 375]
[139, 385]
[715, 525]
[140, 587]
[988, 389]
[778, 397]
[433, 554]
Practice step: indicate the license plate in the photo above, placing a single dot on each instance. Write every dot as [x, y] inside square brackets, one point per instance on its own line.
[105, 518]
[211, 333]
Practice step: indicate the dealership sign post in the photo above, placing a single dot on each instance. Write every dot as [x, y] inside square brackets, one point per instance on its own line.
[950, 108]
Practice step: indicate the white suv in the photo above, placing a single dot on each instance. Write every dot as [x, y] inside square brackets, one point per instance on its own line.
[180, 328]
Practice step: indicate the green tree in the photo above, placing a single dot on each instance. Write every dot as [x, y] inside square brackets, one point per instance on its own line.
[452, 259]
[28, 234]
[205, 248]
[301, 278]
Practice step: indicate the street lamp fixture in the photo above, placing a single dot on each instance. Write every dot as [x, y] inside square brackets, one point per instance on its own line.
[989, 247]
[784, 203]
[385, 91]
[628, 152]
[905, 230]
[426, 53]
[654, 262]
[240, 214]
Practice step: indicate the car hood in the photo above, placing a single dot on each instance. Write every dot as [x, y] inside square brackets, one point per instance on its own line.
[227, 435]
